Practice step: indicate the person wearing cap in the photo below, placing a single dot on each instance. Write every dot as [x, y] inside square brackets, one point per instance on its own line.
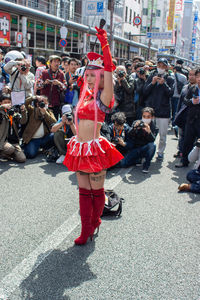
[88, 153]
[21, 79]
[158, 90]
[52, 84]
[63, 130]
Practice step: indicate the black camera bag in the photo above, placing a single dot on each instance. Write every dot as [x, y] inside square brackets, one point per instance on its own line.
[113, 204]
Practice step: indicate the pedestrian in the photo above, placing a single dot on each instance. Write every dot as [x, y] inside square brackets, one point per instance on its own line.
[89, 154]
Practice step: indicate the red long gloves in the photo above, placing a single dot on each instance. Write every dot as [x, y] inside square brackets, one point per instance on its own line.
[107, 57]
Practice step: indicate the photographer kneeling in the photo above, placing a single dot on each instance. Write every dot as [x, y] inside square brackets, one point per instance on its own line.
[119, 132]
[142, 136]
[63, 130]
[38, 129]
[10, 120]
[193, 176]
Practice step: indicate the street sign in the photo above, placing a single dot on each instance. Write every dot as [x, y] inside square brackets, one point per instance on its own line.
[63, 43]
[163, 50]
[159, 35]
[137, 21]
[95, 8]
[63, 32]
[19, 38]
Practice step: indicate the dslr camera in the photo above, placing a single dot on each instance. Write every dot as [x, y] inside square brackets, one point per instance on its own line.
[41, 104]
[138, 127]
[142, 71]
[23, 68]
[15, 113]
[69, 116]
[121, 73]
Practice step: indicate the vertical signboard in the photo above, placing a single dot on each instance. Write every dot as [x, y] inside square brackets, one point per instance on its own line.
[187, 19]
[4, 29]
[171, 14]
[179, 6]
[194, 34]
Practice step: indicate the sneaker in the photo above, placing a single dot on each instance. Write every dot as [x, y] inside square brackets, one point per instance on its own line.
[145, 170]
[160, 156]
[138, 164]
[60, 159]
[181, 165]
[178, 154]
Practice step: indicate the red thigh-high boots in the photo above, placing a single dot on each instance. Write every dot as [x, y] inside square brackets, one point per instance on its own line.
[98, 206]
[86, 208]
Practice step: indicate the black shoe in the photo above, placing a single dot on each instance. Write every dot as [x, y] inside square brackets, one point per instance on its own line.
[178, 154]
[181, 165]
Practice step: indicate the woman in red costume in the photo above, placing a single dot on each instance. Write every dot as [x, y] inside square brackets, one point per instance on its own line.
[88, 153]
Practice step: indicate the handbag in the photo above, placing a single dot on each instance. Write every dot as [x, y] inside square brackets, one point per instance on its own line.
[179, 84]
[113, 204]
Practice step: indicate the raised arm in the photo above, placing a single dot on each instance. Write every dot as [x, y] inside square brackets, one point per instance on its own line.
[107, 93]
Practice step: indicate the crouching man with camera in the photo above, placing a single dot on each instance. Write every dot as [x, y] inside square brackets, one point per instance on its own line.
[63, 130]
[119, 132]
[142, 136]
[193, 176]
[10, 120]
[37, 133]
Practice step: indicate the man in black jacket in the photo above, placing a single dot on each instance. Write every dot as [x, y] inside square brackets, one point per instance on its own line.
[158, 90]
[124, 92]
[141, 139]
[192, 129]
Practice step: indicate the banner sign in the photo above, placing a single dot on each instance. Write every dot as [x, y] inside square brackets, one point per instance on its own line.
[179, 6]
[171, 14]
[4, 29]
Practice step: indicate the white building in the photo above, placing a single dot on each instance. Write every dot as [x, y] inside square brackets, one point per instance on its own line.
[132, 9]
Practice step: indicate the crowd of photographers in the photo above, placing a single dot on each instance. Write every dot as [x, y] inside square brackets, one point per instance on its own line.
[38, 104]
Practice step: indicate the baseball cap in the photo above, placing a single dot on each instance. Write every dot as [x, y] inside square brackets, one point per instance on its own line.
[51, 57]
[66, 109]
[163, 60]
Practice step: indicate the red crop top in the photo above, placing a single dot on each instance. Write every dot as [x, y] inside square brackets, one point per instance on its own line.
[86, 110]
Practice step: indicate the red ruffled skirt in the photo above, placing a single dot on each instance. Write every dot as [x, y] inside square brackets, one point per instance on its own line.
[92, 156]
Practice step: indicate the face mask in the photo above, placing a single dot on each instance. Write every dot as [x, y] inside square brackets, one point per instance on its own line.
[46, 106]
[161, 71]
[147, 121]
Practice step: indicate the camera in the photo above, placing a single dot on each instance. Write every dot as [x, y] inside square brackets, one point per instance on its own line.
[121, 73]
[142, 71]
[15, 113]
[159, 75]
[41, 104]
[75, 77]
[116, 140]
[138, 127]
[23, 68]
[68, 117]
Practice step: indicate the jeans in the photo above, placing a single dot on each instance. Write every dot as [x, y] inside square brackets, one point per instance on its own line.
[133, 155]
[193, 177]
[31, 149]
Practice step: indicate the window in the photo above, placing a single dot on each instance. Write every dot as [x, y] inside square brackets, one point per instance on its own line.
[126, 14]
[130, 18]
[157, 12]
[145, 11]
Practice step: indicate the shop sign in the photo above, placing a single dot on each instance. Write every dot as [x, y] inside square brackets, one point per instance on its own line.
[171, 14]
[4, 29]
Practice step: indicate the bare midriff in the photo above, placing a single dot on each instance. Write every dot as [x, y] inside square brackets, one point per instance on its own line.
[86, 130]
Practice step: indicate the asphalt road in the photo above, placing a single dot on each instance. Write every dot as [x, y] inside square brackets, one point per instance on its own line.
[152, 252]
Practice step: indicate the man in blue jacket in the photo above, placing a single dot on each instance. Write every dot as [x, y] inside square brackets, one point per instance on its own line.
[158, 90]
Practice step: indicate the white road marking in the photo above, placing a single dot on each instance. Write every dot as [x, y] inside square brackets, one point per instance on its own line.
[13, 280]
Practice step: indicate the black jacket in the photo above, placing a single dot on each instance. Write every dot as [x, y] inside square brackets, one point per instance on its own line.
[140, 137]
[193, 109]
[158, 96]
[124, 96]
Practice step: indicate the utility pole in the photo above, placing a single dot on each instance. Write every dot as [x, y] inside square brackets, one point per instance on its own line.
[150, 29]
[112, 6]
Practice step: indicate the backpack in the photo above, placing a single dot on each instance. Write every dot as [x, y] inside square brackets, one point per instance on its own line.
[52, 154]
[112, 201]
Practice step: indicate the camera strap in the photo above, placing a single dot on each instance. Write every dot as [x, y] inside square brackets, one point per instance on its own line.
[14, 78]
[51, 89]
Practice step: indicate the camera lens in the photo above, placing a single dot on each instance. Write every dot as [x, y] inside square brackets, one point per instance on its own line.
[23, 68]
[41, 104]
